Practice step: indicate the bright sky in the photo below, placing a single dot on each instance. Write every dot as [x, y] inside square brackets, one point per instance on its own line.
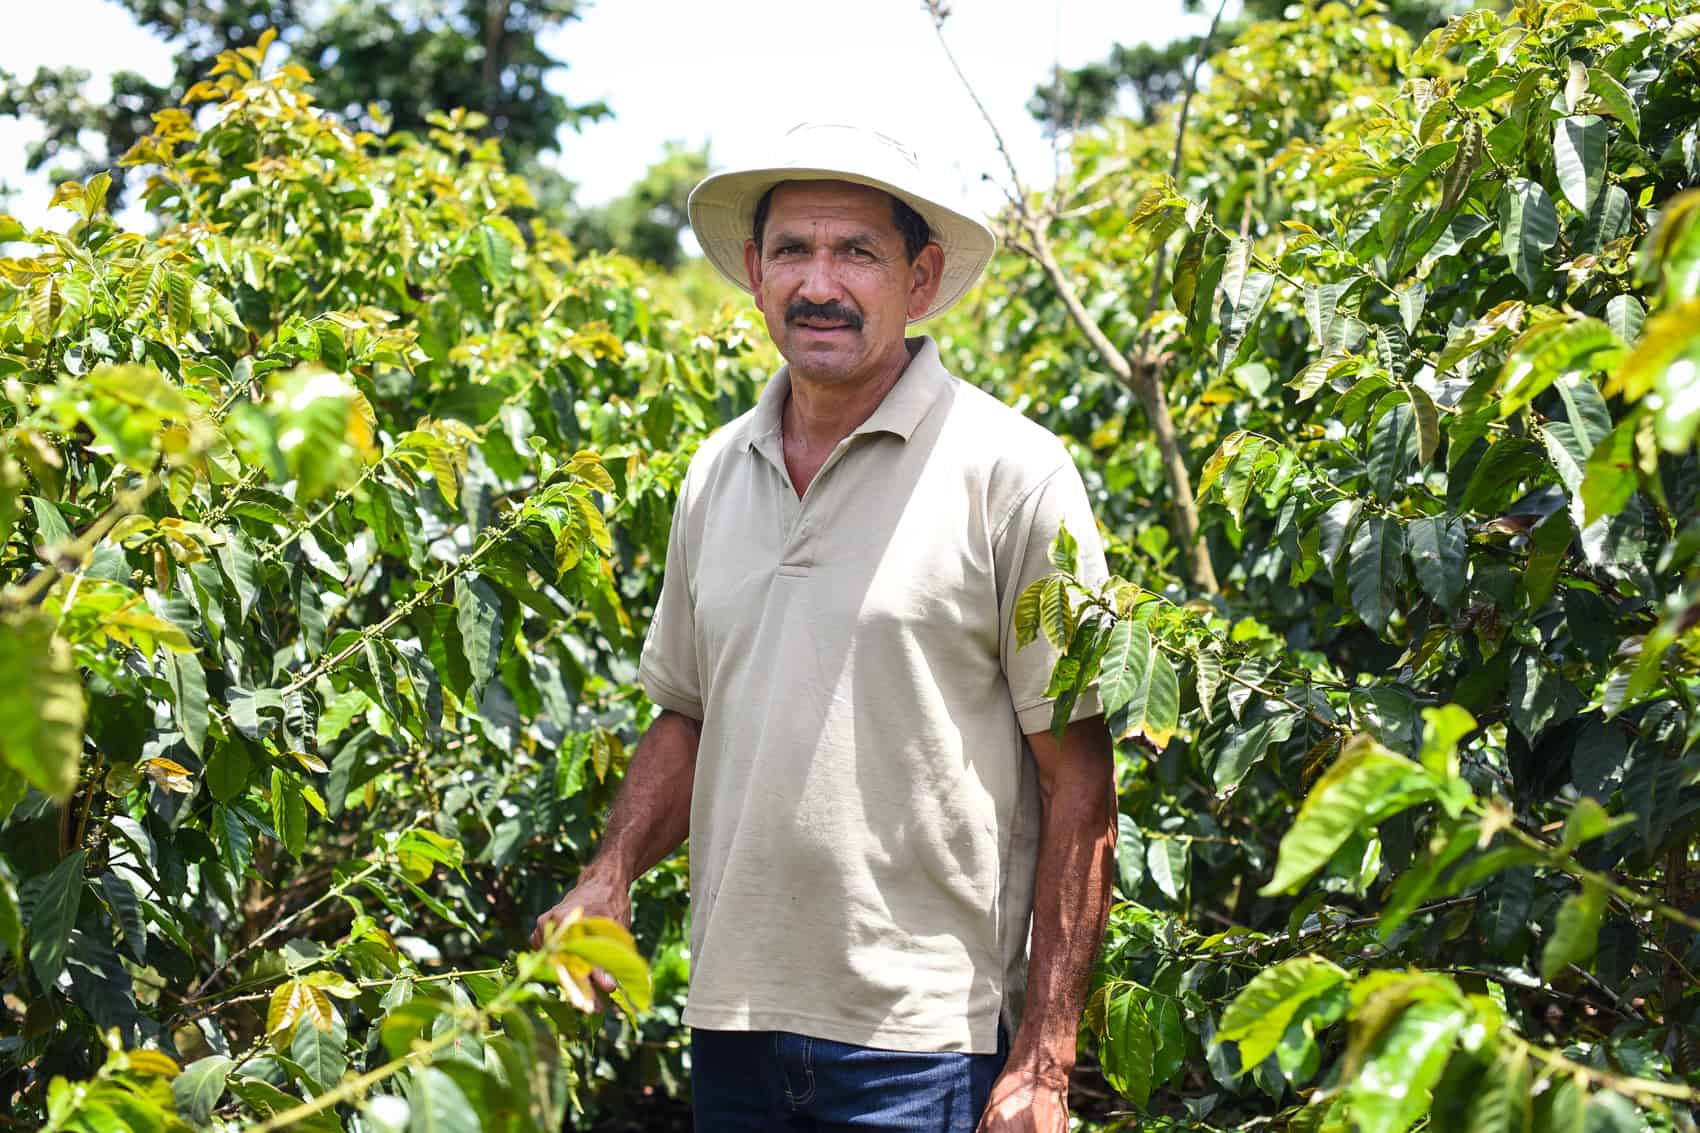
[733, 73]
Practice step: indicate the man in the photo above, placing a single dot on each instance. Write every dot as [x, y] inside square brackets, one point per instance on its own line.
[858, 751]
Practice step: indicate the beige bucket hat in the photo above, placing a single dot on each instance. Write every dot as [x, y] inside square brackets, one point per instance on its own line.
[723, 206]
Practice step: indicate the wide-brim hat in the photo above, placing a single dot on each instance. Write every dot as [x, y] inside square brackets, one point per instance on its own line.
[723, 205]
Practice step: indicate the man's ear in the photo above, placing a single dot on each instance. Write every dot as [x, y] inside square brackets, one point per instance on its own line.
[752, 264]
[925, 275]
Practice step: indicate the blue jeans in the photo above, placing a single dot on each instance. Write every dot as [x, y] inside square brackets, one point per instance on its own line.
[776, 1080]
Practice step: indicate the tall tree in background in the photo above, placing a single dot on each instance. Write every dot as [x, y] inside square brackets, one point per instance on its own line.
[1156, 73]
[645, 221]
[389, 62]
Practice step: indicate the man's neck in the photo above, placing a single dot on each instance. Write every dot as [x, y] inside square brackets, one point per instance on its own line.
[818, 415]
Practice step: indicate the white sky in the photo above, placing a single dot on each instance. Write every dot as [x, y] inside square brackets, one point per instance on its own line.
[733, 73]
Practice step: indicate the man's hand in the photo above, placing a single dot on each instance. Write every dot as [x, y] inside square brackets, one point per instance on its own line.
[1023, 1102]
[593, 896]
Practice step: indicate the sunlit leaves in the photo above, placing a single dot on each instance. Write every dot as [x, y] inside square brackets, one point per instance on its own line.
[293, 1002]
[1364, 786]
[1549, 349]
[1138, 685]
[1262, 1011]
[42, 708]
[1244, 292]
[1391, 1091]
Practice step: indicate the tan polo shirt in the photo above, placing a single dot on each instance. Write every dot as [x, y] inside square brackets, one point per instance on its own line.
[864, 819]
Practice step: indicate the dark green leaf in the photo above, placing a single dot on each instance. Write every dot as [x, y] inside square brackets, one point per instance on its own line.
[1128, 1047]
[52, 915]
[1576, 932]
[196, 1091]
[1375, 570]
[478, 611]
[1528, 227]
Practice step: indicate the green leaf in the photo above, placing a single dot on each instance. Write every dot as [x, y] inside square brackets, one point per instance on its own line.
[1064, 550]
[53, 915]
[1127, 659]
[1439, 550]
[227, 771]
[1625, 315]
[11, 916]
[1579, 153]
[1549, 546]
[1055, 616]
[1576, 932]
[126, 914]
[196, 1091]
[438, 1105]
[1589, 820]
[1502, 1098]
[41, 704]
[1443, 727]
[478, 613]
[1392, 447]
[1375, 569]
[1549, 349]
[420, 851]
[1428, 424]
[1607, 221]
[1127, 1051]
[319, 1051]
[1243, 294]
[1366, 785]
[1673, 250]
[1166, 865]
[495, 254]
[1130, 856]
[1413, 296]
[1610, 477]
[1615, 100]
[289, 812]
[1262, 1011]
[1242, 747]
[1207, 666]
[189, 699]
[1138, 685]
[1391, 1090]
[1027, 612]
[1528, 227]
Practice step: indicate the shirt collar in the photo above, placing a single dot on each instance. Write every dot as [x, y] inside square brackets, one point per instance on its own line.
[900, 412]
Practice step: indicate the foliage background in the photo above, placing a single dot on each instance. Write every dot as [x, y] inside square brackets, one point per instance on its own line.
[330, 515]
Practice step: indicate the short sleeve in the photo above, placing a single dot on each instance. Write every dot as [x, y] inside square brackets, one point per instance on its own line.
[668, 668]
[1022, 551]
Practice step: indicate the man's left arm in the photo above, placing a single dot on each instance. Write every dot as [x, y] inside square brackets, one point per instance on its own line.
[1071, 902]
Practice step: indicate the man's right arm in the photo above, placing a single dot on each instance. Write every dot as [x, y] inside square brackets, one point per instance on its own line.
[650, 820]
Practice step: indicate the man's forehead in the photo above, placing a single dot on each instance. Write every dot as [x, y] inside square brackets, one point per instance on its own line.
[801, 200]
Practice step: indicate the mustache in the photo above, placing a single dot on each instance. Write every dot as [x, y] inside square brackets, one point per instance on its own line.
[828, 312]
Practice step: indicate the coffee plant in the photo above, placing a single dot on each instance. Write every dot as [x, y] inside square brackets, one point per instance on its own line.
[330, 515]
[1408, 807]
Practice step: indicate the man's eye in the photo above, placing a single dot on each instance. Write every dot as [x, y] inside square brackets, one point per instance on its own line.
[787, 249]
[861, 253]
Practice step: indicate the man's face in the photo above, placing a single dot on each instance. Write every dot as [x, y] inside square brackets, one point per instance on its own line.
[834, 282]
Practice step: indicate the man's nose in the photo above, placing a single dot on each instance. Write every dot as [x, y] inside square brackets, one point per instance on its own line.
[820, 283]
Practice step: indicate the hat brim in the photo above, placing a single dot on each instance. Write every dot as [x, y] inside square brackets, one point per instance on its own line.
[722, 210]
